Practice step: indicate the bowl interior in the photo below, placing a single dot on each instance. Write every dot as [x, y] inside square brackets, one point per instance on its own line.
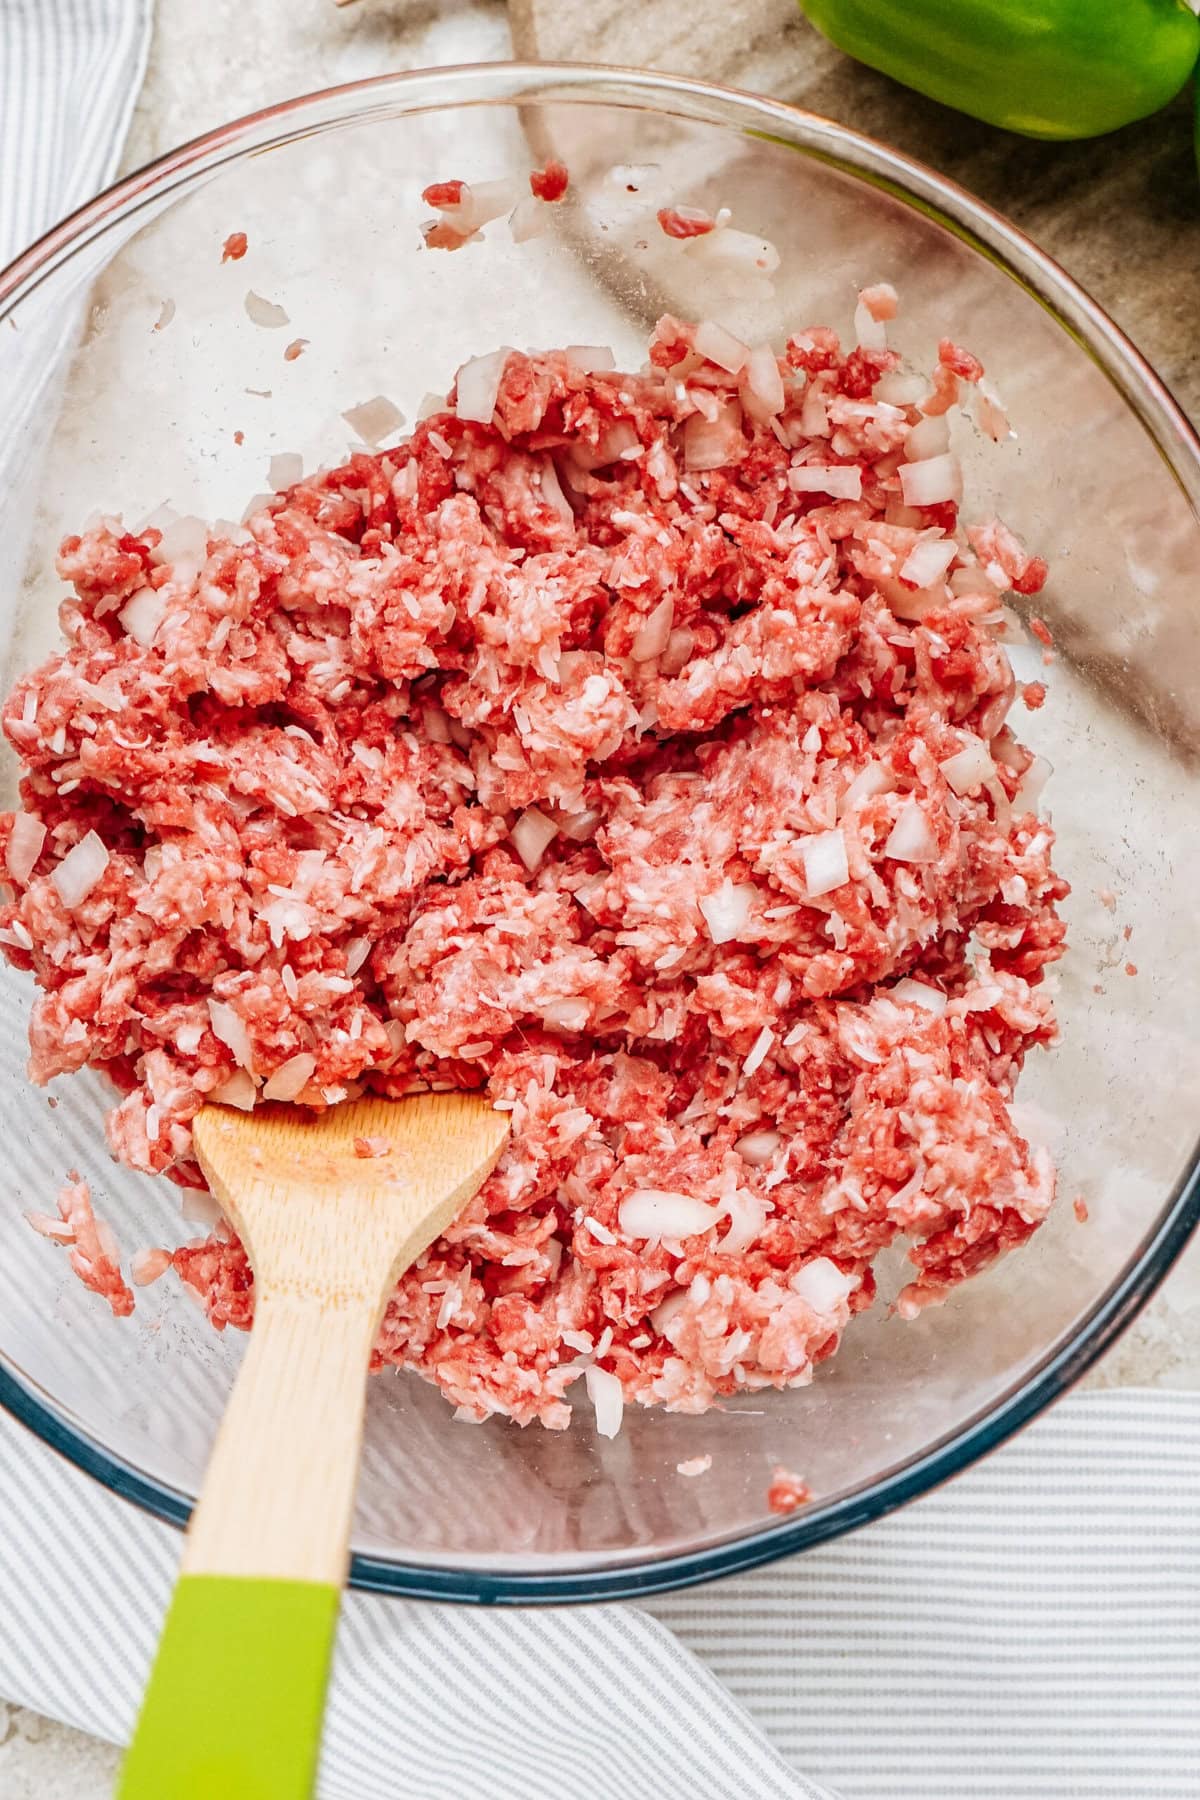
[135, 363]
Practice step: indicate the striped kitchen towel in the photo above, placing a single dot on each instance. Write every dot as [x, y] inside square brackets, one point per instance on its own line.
[1030, 1632]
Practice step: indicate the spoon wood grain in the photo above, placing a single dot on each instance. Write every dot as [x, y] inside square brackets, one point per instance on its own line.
[331, 1209]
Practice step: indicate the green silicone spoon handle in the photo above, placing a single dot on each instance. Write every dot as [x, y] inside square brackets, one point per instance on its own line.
[233, 1709]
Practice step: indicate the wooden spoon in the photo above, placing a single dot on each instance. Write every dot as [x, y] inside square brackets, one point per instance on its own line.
[331, 1209]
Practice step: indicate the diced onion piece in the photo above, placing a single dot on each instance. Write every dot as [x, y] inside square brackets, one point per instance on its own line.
[653, 637]
[932, 481]
[928, 561]
[710, 443]
[814, 414]
[231, 1029]
[734, 252]
[25, 842]
[652, 1213]
[580, 826]
[531, 835]
[668, 1309]
[920, 993]
[552, 494]
[898, 389]
[969, 767]
[841, 481]
[568, 1014]
[528, 218]
[911, 839]
[719, 346]
[238, 1091]
[80, 869]
[870, 332]
[930, 437]
[291, 1077]
[825, 864]
[357, 951]
[727, 912]
[758, 1147]
[264, 312]
[822, 1284]
[478, 383]
[990, 414]
[183, 540]
[484, 201]
[762, 385]
[758, 1051]
[679, 648]
[872, 780]
[607, 1398]
[881, 300]
[146, 1266]
[591, 358]
[747, 1214]
[142, 614]
[375, 419]
[285, 469]
[1032, 782]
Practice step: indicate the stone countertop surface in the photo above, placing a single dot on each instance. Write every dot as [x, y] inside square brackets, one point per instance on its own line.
[1122, 214]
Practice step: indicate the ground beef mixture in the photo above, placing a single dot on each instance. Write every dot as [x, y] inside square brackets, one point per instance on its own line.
[629, 745]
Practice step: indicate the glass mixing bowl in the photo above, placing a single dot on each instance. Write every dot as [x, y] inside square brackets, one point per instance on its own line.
[129, 362]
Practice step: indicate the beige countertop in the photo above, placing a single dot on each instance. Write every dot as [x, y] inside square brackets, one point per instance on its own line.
[1122, 214]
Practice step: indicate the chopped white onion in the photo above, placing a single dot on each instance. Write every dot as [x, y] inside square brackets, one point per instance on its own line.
[814, 414]
[183, 540]
[969, 767]
[932, 481]
[552, 493]
[871, 780]
[651, 1213]
[375, 419]
[680, 645]
[710, 443]
[920, 993]
[898, 389]
[568, 1014]
[825, 864]
[531, 835]
[652, 638]
[733, 252]
[719, 346]
[142, 614]
[482, 202]
[290, 1077]
[580, 826]
[608, 1401]
[870, 332]
[822, 1284]
[990, 414]
[528, 218]
[231, 1029]
[25, 842]
[758, 1147]
[146, 1266]
[727, 912]
[930, 437]
[758, 1051]
[762, 391]
[239, 1091]
[747, 1214]
[928, 561]
[80, 869]
[841, 481]
[1032, 782]
[668, 1309]
[591, 358]
[357, 951]
[264, 312]
[285, 469]
[911, 839]
[478, 383]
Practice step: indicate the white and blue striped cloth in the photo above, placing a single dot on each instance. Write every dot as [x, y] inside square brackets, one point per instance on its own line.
[1031, 1632]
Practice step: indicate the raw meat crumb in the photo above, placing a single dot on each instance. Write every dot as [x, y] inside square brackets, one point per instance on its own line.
[1034, 695]
[1127, 932]
[1080, 1208]
[584, 749]
[695, 1465]
[92, 1248]
[787, 1492]
[685, 221]
[1107, 898]
[239, 437]
[549, 183]
[234, 247]
[1131, 968]
[296, 348]
[1041, 631]
[440, 194]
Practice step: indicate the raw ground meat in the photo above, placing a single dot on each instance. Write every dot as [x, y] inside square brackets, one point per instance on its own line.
[603, 752]
[94, 1254]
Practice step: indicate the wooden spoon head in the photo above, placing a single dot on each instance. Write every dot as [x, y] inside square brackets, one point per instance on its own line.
[343, 1201]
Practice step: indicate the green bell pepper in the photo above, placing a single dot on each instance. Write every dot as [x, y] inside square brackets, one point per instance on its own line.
[1047, 68]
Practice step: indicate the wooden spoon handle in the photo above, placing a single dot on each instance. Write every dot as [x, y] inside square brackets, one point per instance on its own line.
[235, 1701]
[279, 1492]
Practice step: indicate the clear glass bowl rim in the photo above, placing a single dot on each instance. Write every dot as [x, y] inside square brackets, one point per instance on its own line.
[992, 236]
